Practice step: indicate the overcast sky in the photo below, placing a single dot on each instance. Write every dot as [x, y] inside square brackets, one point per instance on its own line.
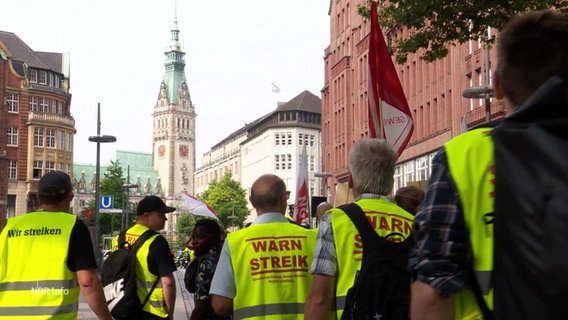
[234, 50]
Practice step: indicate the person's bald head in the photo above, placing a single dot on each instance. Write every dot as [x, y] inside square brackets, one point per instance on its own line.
[268, 194]
[322, 208]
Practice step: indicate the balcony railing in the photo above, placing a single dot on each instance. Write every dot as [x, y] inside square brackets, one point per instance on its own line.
[51, 119]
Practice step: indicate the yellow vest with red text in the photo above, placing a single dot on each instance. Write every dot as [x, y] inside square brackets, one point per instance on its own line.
[145, 279]
[35, 282]
[470, 159]
[271, 262]
[389, 221]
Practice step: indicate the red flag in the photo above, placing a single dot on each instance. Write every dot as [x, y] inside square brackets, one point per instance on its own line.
[301, 206]
[386, 91]
[198, 207]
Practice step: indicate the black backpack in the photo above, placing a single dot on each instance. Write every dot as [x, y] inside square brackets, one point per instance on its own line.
[531, 208]
[382, 286]
[118, 278]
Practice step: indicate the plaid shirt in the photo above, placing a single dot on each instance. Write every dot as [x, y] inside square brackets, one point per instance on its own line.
[441, 254]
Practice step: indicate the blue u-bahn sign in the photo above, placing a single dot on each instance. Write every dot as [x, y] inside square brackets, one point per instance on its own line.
[106, 202]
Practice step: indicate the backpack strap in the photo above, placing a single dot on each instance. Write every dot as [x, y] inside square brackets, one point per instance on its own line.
[357, 216]
[398, 251]
[135, 246]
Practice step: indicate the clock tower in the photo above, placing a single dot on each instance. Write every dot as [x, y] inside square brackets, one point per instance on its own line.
[173, 147]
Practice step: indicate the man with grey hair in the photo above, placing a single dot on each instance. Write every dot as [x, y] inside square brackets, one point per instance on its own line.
[339, 251]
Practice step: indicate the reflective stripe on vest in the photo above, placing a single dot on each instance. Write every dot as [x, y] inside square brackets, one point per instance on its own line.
[271, 264]
[470, 160]
[36, 281]
[144, 278]
[389, 220]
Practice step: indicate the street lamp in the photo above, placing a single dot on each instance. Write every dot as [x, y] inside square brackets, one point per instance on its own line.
[483, 92]
[324, 176]
[98, 139]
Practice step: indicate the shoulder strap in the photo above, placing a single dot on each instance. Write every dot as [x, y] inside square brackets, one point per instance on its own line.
[135, 246]
[121, 238]
[357, 216]
[140, 241]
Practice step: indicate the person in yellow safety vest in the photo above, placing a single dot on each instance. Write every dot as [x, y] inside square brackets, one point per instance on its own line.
[338, 252]
[154, 259]
[47, 258]
[454, 228]
[263, 270]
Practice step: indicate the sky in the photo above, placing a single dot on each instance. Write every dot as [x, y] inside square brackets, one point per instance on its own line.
[234, 51]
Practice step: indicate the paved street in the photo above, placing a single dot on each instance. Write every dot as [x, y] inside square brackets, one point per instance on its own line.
[184, 302]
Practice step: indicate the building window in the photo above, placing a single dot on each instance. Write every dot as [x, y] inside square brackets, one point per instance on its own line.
[276, 162]
[38, 137]
[422, 169]
[13, 100]
[42, 77]
[312, 137]
[290, 160]
[37, 166]
[60, 139]
[312, 163]
[409, 171]
[43, 104]
[69, 140]
[33, 103]
[12, 137]
[33, 75]
[54, 106]
[59, 166]
[57, 81]
[49, 166]
[276, 138]
[12, 170]
[289, 138]
[300, 138]
[50, 138]
[398, 177]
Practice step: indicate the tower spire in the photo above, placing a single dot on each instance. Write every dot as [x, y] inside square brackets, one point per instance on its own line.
[174, 42]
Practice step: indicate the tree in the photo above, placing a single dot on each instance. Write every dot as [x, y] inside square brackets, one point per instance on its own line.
[185, 224]
[228, 200]
[434, 24]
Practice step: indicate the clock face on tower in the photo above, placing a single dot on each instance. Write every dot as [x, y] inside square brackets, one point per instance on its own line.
[161, 150]
[183, 151]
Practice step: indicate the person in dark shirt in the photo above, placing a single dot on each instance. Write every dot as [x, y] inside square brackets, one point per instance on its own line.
[59, 254]
[206, 243]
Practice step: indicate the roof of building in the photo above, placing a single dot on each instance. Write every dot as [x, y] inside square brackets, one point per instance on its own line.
[20, 51]
[138, 163]
[305, 101]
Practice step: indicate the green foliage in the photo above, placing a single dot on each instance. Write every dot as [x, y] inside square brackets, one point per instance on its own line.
[227, 197]
[435, 24]
[185, 223]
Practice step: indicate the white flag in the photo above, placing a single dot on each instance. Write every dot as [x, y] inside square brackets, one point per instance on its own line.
[198, 207]
[275, 88]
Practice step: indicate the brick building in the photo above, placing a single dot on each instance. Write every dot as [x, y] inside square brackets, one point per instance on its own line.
[36, 121]
[433, 90]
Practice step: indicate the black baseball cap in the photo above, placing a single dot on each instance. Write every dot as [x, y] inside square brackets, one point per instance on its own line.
[54, 183]
[152, 203]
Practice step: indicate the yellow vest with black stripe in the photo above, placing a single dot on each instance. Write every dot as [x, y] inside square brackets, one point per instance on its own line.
[35, 282]
[389, 221]
[271, 262]
[470, 159]
[145, 279]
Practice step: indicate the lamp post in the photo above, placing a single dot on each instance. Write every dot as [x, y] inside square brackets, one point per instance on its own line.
[126, 200]
[324, 176]
[483, 92]
[98, 139]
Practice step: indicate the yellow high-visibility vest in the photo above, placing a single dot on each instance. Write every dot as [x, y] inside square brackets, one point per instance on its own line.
[35, 282]
[389, 221]
[271, 262]
[471, 164]
[144, 278]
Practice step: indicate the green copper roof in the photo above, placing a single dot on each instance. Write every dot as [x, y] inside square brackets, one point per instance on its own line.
[140, 171]
[175, 65]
